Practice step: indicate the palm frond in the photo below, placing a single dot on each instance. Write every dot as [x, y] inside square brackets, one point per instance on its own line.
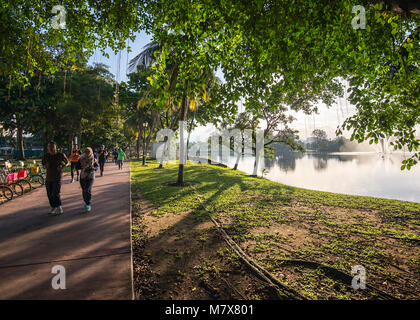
[145, 57]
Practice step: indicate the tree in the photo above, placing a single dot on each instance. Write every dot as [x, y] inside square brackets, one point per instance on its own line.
[319, 134]
[88, 25]
[33, 48]
[20, 106]
[244, 121]
[307, 46]
[86, 110]
[174, 89]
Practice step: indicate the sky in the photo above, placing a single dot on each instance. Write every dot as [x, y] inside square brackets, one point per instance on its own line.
[327, 119]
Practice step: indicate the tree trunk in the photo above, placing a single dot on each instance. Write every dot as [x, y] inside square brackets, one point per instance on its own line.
[240, 152]
[183, 117]
[138, 148]
[11, 139]
[259, 147]
[189, 132]
[165, 151]
[20, 142]
[237, 161]
[144, 148]
[45, 138]
[70, 143]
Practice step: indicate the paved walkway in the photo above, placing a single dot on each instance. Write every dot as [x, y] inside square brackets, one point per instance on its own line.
[94, 248]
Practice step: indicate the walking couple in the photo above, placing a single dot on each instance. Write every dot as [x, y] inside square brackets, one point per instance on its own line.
[54, 162]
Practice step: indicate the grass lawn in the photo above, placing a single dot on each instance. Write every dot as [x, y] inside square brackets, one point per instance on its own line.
[179, 254]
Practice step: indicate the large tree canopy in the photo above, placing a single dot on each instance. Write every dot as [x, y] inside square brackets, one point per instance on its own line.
[29, 41]
[303, 51]
[300, 52]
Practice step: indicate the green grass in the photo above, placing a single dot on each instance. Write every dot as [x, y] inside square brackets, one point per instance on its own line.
[367, 230]
[262, 201]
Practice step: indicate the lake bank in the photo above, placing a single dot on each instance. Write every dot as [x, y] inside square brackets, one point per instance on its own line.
[178, 251]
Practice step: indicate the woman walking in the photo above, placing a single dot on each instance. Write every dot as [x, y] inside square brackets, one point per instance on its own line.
[102, 159]
[74, 158]
[87, 176]
[115, 156]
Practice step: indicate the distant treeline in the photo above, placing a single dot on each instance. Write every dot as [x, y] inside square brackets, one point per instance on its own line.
[321, 143]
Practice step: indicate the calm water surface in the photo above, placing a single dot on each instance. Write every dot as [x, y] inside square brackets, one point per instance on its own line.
[366, 174]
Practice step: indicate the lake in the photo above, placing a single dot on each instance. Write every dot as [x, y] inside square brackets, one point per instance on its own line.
[358, 173]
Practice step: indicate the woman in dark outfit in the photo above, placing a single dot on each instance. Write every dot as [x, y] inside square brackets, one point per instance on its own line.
[102, 159]
[87, 176]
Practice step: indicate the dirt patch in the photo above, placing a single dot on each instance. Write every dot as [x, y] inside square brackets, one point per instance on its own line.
[180, 257]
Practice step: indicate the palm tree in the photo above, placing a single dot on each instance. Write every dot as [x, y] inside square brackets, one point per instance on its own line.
[146, 58]
[204, 95]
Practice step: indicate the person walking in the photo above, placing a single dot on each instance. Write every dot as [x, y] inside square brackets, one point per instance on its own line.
[115, 156]
[74, 158]
[120, 159]
[102, 159]
[54, 162]
[87, 176]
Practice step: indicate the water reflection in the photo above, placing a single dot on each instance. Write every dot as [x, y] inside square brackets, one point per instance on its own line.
[363, 173]
[321, 162]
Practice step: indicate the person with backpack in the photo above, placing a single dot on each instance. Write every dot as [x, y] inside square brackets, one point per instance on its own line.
[54, 162]
[74, 158]
[120, 158]
[88, 167]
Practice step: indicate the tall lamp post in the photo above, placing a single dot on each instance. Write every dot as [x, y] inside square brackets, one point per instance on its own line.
[144, 142]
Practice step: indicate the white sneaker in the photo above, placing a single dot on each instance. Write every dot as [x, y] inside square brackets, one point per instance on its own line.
[52, 211]
[59, 210]
[72, 180]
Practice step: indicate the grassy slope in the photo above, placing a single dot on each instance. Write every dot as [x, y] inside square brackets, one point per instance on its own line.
[274, 222]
